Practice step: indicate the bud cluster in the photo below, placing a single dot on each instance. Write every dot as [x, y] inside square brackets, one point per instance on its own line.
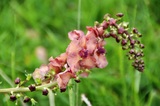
[129, 39]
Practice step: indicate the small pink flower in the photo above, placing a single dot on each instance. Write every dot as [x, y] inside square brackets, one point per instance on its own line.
[64, 77]
[40, 73]
[58, 63]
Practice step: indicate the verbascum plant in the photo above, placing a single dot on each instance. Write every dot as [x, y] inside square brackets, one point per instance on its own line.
[85, 51]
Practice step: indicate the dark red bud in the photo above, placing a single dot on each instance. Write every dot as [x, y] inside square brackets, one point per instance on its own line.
[26, 100]
[45, 92]
[135, 30]
[113, 35]
[13, 98]
[120, 15]
[123, 42]
[77, 80]
[17, 81]
[107, 35]
[132, 42]
[112, 22]
[117, 39]
[105, 25]
[131, 51]
[121, 30]
[63, 89]
[32, 88]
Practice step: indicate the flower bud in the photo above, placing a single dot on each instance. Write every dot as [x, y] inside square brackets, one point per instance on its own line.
[27, 99]
[120, 15]
[123, 42]
[135, 30]
[13, 97]
[17, 81]
[139, 35]
[45, 92]
[105, 25]
[121, 30]
[63, 89]
[132, 42]
[32, 88]
[112, 22]
[142, 46]
[131, 51]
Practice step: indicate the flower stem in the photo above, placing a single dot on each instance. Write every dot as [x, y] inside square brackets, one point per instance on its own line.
[26, 89]
[51, 98]
[71, 95]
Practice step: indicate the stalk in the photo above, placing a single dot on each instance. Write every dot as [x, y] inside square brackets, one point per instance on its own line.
[71, 94]
[26, 89]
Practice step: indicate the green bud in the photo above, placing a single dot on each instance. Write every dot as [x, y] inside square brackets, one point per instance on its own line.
[28, 77]
[38, 81]
[33, 102]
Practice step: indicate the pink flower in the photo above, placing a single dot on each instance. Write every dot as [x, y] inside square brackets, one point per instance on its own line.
[63, 79]
[58, 63]
[83, 53]
[76, 45]
[41, 72]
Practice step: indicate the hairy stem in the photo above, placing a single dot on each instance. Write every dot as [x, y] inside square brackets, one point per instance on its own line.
[26, 89]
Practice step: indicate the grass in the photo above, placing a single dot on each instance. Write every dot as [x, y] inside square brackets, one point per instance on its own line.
[28, 24]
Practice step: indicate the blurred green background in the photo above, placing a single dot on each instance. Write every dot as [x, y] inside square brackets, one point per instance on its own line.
[30, 26]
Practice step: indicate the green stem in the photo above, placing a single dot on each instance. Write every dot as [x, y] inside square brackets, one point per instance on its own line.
[71, 94]
[26, 89]
[51, 98]
[121, 68]
[76, 94]
[136, 87]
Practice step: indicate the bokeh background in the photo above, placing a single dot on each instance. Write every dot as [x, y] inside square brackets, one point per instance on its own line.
[31, 31]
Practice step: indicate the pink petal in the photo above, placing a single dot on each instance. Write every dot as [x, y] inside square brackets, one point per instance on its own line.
[64, 77]
[75, 35]
[101, 61]
[40, 72]
[73, 55]
[91, 42]
[57, 63]
[88, 63]
[100, 31]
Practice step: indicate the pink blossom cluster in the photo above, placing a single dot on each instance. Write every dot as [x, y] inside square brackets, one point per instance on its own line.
[83, 53]
[86, 51]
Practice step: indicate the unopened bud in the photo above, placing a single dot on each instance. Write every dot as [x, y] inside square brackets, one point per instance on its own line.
[13, 97]
[142, 46]
[135, 30]
[123, 42]
[63, 89]
[45, 92]
[121, 30]
[27, 99]
[32, 88]
[120, 15]
[17, 81]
